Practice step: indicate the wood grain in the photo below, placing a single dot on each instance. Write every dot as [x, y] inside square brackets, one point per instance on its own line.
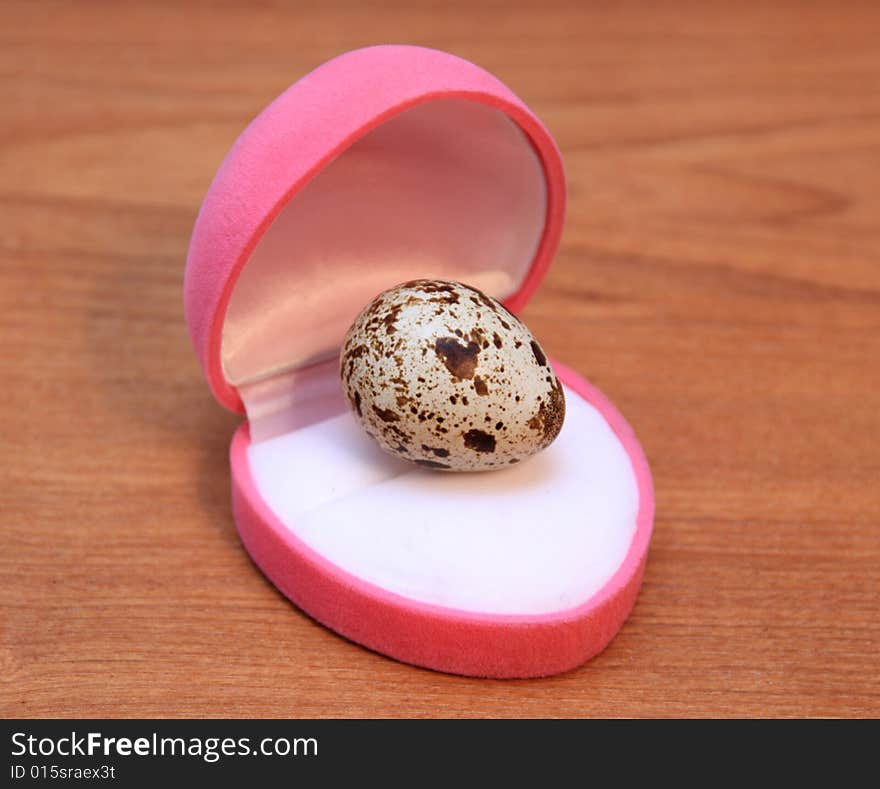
[718, 278]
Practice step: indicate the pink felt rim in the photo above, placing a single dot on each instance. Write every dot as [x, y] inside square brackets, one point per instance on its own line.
[297, 135]
[445, 639]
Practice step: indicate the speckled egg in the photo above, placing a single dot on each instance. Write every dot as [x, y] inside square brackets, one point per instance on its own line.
[441, 374]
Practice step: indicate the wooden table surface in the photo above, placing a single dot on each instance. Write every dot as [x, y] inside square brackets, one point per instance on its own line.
[718, 278]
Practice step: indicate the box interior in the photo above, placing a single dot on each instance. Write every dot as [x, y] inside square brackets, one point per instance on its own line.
[538, 537]
[448, 189]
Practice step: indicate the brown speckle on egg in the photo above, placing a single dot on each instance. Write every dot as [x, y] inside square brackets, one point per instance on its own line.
[460, 359]
[415, 353]
[479, 441]
[539, 354]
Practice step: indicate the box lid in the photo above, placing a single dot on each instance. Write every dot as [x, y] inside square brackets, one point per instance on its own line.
[384, 164]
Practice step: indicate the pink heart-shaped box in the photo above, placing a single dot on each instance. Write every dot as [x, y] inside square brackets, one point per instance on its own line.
[382, 165]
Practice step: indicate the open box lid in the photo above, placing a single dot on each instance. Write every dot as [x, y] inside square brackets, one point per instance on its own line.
[382, 165]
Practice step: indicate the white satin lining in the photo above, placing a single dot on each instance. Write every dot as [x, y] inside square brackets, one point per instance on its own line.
[447, 189]
[541, 536]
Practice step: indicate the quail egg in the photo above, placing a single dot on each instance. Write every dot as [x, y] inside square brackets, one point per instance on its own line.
[442, 375]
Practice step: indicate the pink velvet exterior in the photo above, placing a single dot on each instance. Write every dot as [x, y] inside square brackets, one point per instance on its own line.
[483, 645]
[298, 134]
[289, 143]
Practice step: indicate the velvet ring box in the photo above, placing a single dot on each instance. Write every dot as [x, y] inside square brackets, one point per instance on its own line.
[383, 165]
